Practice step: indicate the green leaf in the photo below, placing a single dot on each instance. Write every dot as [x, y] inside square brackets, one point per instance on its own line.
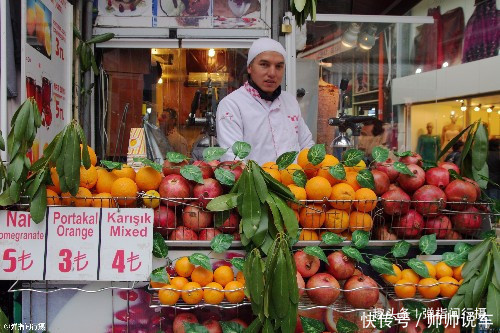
[330, 238]
[454, 259]
[175, 157]
[111, 165]
[403, 154]
[419, 267]
[250, 212]
[148, 162]
[487, 234]
[38, 204]
[160, 249]
[450, 144]
[353, 253]
[159, 275]
[483, 280]
[259, 182]
[285, 159]
[311, 325]
[360, 238]
[279, 289]
[317, 252]
[224, 176]
[299, 178]
[2, 142]
[337, 171]
[496, 262]
[289, 218]
[462, 248]
[231, 327]
[380, 154]
[299, 5]
[213, 153]
[400, 249]
[382, 265]
[481, 176]
[238, 263]
[76, 33]
[4, 322]
[428, 244]
[352, 157]
[241, 149]
[85, 157]
[194, 328]
[254, 327]
[192, 172]
[201, 260]
[480, 147]
[365, 179]
[223, 202]
[72, 162]
[402, 168]
[101, 38]
[15, 168]
[221, 242]
[454, 174]
[415, 309]
[316, 154]
[21, 121]
[493, 305]
[346, 326]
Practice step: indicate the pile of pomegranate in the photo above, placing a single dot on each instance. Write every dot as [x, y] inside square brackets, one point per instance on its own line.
[429, 202]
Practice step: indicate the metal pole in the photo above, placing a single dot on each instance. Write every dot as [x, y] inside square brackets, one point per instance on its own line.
[76, 61]
[85, 112]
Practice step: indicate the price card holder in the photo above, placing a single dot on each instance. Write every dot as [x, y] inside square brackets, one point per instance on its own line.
[72, 244]
[126, 244]
[22, 246]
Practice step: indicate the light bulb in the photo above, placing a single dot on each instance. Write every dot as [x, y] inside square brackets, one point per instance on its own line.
[211, 53]
[418, 71]
[160, 81]
[477, 108]
[489, 110]
[452, 112]
[445, 64]
[463, 107]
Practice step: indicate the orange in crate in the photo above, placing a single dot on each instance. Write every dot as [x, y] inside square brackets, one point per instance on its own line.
[272, 169]
[318, 188]
[125, 189]
[237, 295]
[336, 220]
[299, 193]
[52, 198]
[223, 275]
[410, 275]
[212, 296]
[125, 172]
[392, 279]
[105, 180]
[202, 275]
[287, 174]
[324, 168]
[88, 177]
[429, 288]
[309, 169]
[360, 221]
[104, 200]
[168, 295]
[350, 178]
[342, 191]
[308, 235]
[312, 216]
[148, 178]
[367, 200]
[405, 289]
[192, 293]
[183, 267]
[448, 286]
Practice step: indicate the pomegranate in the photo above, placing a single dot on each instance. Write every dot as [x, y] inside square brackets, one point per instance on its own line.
[317, 314]
[229, 165]
[174, 186]
[413, 327]
[388, 168]
[300, 283]
[307, 265]
[329, 292]
[383, 233]
[210, 188]
[164, 220]
[361, 291]
[206, 169]
[382, 182]
[439, 225]
[182, 318]
[449, 165]
[170, 168]
[409, 225]
[468, 221]
[196, 218]
[412, 183]
[395, 202]
[476, 186]
[212, 326]
[340, 266]
[208, 234]
[230, 225]
[452, 234]
[183, 233]
[437, 176]
[427, 193]
[414, 158]
[460, 191]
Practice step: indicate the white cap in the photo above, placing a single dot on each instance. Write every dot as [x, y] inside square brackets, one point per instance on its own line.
[263, 45]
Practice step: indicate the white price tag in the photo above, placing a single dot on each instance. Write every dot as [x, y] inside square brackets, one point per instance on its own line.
[22, 246]
[127, 244]
[72, 244]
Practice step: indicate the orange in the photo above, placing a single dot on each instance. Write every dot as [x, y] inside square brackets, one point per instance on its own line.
[410, 275]
[342, 191]
[312, 216]
[183, 267]
[105, 180]
[125, 190]
[272, 169]
[360, 221]
[240, 278]
[430, 268]
[442, 269]
[155, 284]
[287, 174]
[66, 199]
[308, 235]
[88, 177]
[318, 188]
[393, 278]
[55, 180]
[404, 288]
[149, 199]
[429, 288]
[324, 168]
[125, 172]
[350, 178]
[202, 275]
[299, 193]
[104, 200]
[147, 179]
[52, 198]
[367, 200]
[212, 296]
[448, 286]
[347, 235]
[192, 293]
[179, 282]
[457, 272]
[337, 220]
[83, 198]
[309, 169]
[270, 165]
[93, 156]
[168, 295]
[357, 168]
[235, 296]
[223, 275]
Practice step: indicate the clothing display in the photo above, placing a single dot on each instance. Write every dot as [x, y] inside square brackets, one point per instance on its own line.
[453, 34]
[328, 101]
[428, 147]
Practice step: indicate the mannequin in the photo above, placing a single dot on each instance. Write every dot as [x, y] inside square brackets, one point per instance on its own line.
[450, 131]
[428, 145]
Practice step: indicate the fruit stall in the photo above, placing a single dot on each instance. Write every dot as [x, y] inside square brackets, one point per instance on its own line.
[306, 243]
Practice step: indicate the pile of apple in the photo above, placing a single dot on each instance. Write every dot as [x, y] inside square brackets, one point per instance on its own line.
[182, 216]
[211, 324]
[415, 204]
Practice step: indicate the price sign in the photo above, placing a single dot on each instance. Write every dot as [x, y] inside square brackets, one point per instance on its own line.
[72, 244]
[127, 238]
[22, 246]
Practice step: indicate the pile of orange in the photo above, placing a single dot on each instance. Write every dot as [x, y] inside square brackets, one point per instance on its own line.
[444, 281]
[195, 283]
[102, 188]
[334, 205]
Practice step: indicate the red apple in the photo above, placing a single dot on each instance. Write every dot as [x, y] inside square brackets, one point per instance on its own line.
[214, 164]
[229, 165]
[208, 234]
[174, 187]
[170, 168]
[206, 169]
[183, 233]
[164, 220]
[230, 225]
[212, 326]
[210, 189]
[307, 265]
[182, 318]
[323, 296]
[196, 218]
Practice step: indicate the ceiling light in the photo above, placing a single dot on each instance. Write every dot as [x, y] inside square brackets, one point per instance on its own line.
[490, 109]
[326, 64]
[211, 53]
[350, 36]
[418, 71]
[367, 38]
[461, 101]
[477, 108]
[445, 64]
[463, 107]
[160, 81]
[452, 112]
